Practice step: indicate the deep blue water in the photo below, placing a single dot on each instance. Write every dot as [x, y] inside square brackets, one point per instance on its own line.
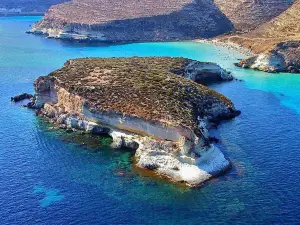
[45, 180]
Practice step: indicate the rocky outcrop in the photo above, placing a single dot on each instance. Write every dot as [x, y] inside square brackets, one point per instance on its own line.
[133, 20]
[283, 58]
[143, 104]
[206, 73]
[21, 97]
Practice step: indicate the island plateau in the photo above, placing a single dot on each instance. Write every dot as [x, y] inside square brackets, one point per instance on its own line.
[151, 105]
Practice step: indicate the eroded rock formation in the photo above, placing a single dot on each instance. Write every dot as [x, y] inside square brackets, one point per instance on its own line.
[145, 104]
[283, 58]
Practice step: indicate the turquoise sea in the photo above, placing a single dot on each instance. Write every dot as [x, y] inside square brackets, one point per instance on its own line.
[46, 178]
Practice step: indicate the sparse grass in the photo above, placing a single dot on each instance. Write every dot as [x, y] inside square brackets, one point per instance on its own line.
[143, 87]
[283, 28]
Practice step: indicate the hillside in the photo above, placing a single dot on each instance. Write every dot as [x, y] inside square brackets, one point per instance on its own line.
[276, 43]
[155, 20]
[283, 28]
[249, 14]
[134, 20]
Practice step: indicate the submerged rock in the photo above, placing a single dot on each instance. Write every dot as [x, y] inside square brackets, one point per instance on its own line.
[21, 97]
[145, 104]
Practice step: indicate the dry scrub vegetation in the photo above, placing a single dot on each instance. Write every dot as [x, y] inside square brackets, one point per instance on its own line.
[285, 27]
[148, 88]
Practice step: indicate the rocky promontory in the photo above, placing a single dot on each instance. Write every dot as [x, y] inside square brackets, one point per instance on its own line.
[133, 20]
[283, 58]
[147, 104]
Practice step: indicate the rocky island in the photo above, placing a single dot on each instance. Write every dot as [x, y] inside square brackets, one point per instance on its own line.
[150, 105]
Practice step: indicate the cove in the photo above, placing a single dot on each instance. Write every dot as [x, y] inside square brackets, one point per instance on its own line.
[103, 188]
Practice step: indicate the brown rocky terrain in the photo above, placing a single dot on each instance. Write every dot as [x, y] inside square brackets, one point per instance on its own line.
[285, 27]
[154, 20]
[146, 104]
[134, 20]
[284, 57]
[276, 43]
[148, 88]
[249, 14]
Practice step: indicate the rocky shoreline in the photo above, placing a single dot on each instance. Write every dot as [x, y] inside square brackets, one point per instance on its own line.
[182, 151]
[165, 158]
[283, 58]
[259, 30]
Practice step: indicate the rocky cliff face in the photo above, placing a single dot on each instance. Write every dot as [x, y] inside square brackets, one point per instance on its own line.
[144, 104]
[133, 20]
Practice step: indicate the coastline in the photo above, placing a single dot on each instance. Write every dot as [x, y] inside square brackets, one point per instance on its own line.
[230, 45]
[8, 14]
[181, 151]
[33, 156]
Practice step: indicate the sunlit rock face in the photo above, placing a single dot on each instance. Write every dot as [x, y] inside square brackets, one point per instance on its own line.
[285, 57]
[133, 20]
[283, 28]
[148, 104]
[249, 14]
[276, 42]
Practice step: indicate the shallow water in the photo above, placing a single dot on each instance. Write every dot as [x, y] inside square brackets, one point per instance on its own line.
[45, 180]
